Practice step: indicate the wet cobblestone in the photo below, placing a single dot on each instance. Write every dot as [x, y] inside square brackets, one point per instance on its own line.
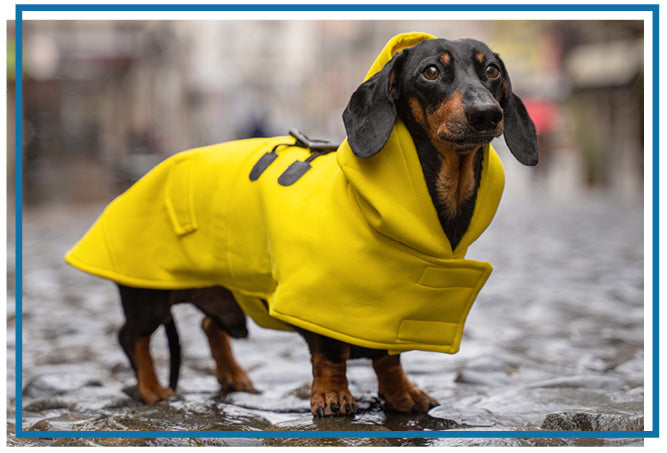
[554, 342]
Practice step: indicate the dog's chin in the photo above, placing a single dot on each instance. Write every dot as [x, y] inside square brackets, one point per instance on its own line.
[465, 149]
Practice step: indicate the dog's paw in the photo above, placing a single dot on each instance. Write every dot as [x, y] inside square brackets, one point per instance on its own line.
[327, 403]
[153, 394]
[237, 381]
[409, 400]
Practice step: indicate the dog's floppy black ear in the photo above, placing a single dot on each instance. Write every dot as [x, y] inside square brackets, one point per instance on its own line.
[520, 134]
[370, 115]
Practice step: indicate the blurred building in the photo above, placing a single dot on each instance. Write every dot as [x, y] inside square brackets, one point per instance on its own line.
[606, 102]
[105, 100]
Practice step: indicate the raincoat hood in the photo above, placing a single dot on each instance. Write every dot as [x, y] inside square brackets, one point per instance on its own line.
[405, 212]
[352, 249]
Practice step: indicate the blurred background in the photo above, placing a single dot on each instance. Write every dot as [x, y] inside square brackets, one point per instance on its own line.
[104, 101]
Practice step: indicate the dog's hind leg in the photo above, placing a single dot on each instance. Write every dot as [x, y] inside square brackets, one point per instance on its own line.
[398, 392]
[137, 349]
[231, 376]
[150, 389]
[145, 310]
[224, 318]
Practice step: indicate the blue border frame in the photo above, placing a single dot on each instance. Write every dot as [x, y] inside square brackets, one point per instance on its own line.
[20, 433]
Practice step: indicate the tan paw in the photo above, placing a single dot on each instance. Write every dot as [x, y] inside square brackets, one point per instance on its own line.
[327, 403]
[153, 394]
[237, 381]
[409, 400]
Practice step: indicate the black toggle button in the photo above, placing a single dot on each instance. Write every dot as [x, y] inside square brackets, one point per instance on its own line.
[297, 169]
[262, 164]
[294, 172]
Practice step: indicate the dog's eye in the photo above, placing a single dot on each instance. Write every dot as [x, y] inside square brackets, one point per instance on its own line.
[431, 72]
[492, 71]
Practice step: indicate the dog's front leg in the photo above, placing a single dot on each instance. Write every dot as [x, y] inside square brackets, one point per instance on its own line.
[329, 395]
[398, 392]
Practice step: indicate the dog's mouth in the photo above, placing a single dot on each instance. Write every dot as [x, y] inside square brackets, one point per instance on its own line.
[469, 143]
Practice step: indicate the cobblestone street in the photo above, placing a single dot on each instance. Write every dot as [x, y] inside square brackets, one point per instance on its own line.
[555, 341]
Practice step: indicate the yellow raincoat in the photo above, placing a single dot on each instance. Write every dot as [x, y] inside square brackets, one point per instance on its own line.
[352, 250]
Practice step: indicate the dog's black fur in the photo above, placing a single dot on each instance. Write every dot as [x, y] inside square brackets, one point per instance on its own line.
[454, 97]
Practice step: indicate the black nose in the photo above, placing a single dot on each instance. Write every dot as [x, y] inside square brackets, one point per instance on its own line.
[484, 117]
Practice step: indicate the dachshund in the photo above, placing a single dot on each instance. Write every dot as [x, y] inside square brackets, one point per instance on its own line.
[454, 97]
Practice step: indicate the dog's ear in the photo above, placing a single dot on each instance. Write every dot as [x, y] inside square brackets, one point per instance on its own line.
[370, 115]
[520, 134]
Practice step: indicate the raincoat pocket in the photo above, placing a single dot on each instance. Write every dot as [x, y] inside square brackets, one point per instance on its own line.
[179, 197]
[454, 285]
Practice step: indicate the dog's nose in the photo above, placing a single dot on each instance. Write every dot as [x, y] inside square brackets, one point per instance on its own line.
[484, 117]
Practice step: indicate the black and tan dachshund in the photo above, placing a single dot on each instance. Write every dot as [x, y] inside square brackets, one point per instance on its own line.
[454, 97]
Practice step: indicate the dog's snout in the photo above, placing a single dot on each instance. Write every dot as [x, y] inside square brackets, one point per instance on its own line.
[484, 117]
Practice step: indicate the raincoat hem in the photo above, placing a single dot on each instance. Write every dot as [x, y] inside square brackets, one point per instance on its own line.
[136, 283]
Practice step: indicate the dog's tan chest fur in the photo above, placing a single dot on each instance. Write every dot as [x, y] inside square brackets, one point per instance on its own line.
[456, 179]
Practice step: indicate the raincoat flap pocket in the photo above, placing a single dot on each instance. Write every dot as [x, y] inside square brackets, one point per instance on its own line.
[179, 198]
[439, 317]
[456, 273]
[430, 332]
